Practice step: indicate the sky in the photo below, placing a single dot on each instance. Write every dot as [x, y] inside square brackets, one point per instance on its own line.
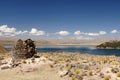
[46, 19]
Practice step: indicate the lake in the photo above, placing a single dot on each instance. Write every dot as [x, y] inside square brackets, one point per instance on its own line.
[89, 50]
[82, 49]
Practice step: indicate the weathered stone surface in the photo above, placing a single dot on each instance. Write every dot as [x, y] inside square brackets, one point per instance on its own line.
[102, 75]
[5, 66]
[24, 49]
[63, 73]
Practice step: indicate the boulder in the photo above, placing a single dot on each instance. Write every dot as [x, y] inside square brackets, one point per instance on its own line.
[5, 66]
[63, 73]
[24, 49]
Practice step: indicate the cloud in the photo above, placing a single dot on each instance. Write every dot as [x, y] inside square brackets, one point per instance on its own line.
[36, 32]
[8, 31]
[102, 32]
[92, 34]
[77, 33]
[63, 33]
[83, 38]
[114, 31]
[96, 34]
[5, 28]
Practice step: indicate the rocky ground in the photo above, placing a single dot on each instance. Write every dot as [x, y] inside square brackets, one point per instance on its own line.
[61, 66]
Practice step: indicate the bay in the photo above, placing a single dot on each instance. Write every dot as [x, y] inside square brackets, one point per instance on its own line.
[80, 49]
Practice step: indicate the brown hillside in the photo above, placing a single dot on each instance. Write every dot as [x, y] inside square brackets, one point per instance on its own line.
[3, 49]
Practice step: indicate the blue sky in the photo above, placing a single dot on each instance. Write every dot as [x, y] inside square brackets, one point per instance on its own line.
[48, 18]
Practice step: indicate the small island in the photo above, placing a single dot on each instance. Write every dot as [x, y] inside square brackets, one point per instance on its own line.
[115, 44]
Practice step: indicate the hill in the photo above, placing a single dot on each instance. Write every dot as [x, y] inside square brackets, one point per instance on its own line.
[109, 45]
[3, 50]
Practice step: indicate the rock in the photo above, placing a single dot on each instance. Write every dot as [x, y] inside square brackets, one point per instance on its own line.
[101, 75]
[1, 58]
[24, 49]
[114, 70]
[6, 66]
[37, 60]
[79, 77]
[81, 66]
[86, 67]
[63, 73]
[1, 63]
[7, 61]
[70, 74]
[85, 61]
[29, 68]
[43, 58]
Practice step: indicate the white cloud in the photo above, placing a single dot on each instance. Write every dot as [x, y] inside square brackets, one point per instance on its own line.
[24, 32]
[90, 33]
[36, 32]
[102, 32]
[8, 31]
[93, 34]
[77, 33]
[84, 33]
[5, 28]
[114, 31]
[83, 38]
[63, 33]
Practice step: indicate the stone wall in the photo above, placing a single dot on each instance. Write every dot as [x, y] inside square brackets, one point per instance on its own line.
[24, 49]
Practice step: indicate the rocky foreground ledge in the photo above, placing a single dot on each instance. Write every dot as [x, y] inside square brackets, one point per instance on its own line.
[61, 66]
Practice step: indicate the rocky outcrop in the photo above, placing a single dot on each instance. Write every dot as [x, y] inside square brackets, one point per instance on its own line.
[24, 49]
[109, 45]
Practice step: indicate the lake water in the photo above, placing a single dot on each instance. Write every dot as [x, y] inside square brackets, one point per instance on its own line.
[88, 50]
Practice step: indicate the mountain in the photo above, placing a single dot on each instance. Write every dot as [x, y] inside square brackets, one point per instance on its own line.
[58, 42]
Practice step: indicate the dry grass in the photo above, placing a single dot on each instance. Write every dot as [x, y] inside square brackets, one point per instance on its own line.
[118, 74]
[90, 73]
[107, 77]
[3, 50]
[51, 65]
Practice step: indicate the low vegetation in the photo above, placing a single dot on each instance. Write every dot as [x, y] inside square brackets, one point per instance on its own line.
[109, 45]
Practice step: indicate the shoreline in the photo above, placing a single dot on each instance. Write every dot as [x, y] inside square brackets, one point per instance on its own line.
[70, 45]
[61, 45]
[108, 48]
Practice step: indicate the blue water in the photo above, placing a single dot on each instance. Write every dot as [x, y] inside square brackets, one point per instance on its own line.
[88, 50]
[83, 50]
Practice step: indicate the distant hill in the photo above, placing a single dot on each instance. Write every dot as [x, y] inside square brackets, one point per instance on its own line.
[109, 45]
[11, 42]
[58, 42]
[7, 42]
[3, 50]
